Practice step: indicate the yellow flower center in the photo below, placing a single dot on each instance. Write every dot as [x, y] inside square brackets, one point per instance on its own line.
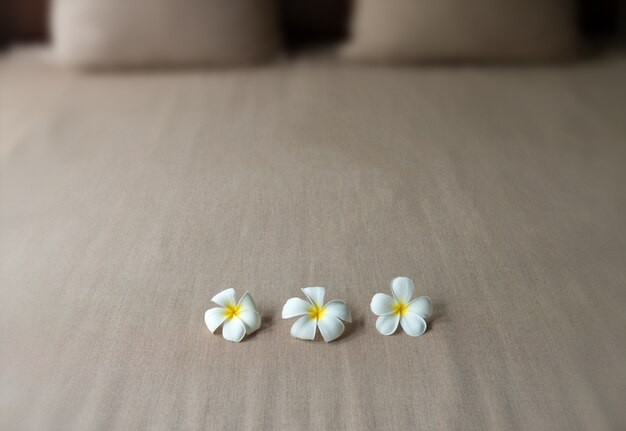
[316, 312]
[231, 311]
[400, 308]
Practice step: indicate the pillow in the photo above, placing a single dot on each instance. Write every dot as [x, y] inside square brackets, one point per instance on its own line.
[112, 33]
[409, 30]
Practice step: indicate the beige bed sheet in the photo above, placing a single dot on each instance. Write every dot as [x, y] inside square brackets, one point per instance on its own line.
[127, 201]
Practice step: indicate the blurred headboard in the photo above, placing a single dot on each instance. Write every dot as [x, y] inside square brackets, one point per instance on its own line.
[23, 20]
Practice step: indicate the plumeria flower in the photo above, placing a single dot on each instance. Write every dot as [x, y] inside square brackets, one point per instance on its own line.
[316, 315]
[239, 318]
[411, 315]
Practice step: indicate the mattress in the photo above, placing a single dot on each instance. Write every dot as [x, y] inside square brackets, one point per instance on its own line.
[128, 200]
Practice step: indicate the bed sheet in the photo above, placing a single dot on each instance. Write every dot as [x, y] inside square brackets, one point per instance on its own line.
[128, 200]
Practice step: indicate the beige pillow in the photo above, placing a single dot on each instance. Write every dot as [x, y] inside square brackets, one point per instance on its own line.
[112, 33]
[409, 30]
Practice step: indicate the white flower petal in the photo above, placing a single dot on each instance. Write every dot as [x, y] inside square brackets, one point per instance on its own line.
[295, 307]
[251, 319]
[331, 328]
[413, 324]
[234, 330]
[382, 304]
[315, 295]
[214, 318]
[387, 324]
[402, 288]
[247, 302]
[339, 309]
[421, 306]
[225, 298]
[304, 328]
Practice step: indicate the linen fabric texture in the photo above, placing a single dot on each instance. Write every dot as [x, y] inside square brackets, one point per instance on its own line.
[128, 201]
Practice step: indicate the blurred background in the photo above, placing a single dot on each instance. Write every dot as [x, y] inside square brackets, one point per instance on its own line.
[311, 22]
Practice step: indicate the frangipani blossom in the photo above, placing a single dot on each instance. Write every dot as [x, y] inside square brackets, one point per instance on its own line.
[316, 315]
[239, 318]
[411, 315]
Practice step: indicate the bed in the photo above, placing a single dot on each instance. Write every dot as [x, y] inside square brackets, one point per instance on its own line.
[128, 200]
